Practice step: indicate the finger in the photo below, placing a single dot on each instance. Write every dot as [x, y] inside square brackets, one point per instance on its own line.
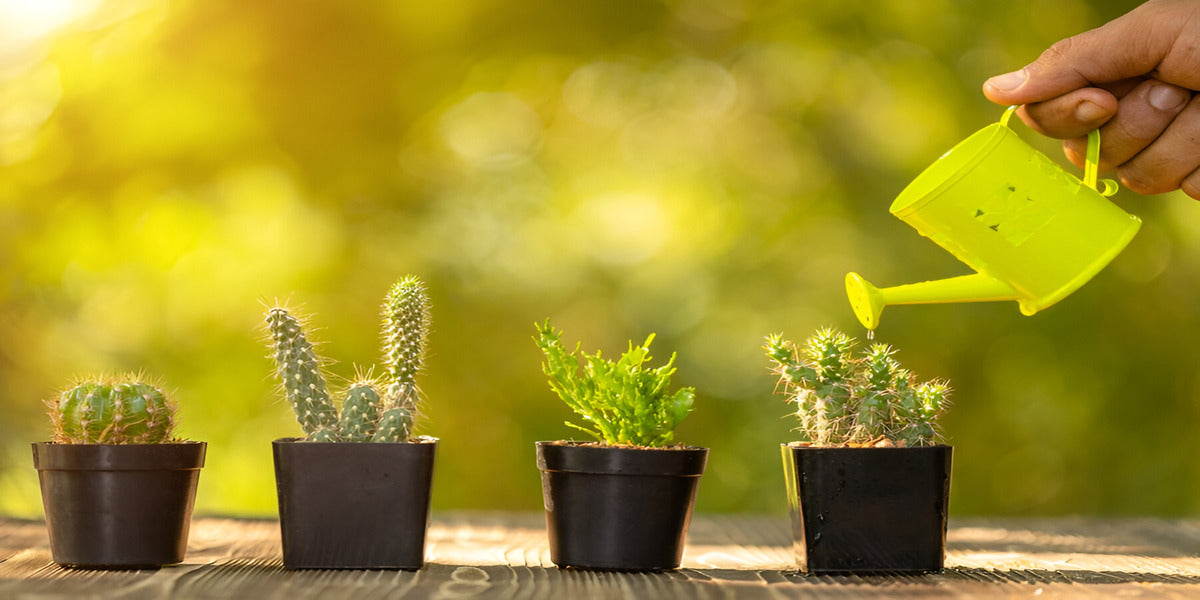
[1071, 115]
[1141, 117]
[1163, 165]
[1191, 184]
[1131, 45]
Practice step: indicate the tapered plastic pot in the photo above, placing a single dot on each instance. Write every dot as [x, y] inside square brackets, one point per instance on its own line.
[857, 510]
[346, 505]
[118, 506]
[614, 508]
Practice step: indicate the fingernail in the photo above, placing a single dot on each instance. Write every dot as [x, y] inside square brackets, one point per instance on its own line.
[1088, 112]
[1167, 97]
[1008, 81]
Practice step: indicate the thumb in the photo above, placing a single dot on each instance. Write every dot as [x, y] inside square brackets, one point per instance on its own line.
[1129, 46]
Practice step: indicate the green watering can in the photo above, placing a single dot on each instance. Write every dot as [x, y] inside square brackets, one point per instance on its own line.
[1033, 232]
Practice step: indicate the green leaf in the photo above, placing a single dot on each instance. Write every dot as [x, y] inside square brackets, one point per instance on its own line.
[624, 401]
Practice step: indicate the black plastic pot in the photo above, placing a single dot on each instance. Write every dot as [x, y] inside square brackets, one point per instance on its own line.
[624, 509]
[347, 505]
[868, 509]
[118, 506]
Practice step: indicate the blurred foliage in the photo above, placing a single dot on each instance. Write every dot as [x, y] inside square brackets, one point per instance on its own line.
[705, 170]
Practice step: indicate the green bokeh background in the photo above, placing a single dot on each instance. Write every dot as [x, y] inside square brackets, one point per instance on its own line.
[705, 170]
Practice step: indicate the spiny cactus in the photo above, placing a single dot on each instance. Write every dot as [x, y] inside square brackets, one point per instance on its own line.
[394, 425]
[621, 402]
[113, 411]
[843, 399]
[405, 329]
[360, 412]
[299, 370]
[372, 411]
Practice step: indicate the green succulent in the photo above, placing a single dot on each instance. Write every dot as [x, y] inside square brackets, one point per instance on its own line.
[846, 399]
[372, 411]
[621, 402]
[113, 410]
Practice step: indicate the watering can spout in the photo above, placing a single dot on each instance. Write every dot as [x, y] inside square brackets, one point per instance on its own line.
[868, 301]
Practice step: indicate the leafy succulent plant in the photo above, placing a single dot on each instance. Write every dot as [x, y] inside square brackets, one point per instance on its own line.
[621, 403]
[113, 410]
[846, 399]
[372, 411]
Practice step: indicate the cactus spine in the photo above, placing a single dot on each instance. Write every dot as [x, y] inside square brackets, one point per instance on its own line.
[371, 412]
[842, 399]
[111, 411]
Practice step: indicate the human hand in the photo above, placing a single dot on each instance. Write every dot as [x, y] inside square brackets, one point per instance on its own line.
[1136, 79]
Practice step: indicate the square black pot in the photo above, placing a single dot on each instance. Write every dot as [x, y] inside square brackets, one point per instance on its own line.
[348, 505]
[614, 508]
[118, 506]
[868, 509]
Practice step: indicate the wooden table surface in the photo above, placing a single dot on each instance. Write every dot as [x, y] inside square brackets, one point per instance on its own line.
[505, 555]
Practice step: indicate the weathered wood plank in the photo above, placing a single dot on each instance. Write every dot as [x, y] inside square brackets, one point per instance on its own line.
[505, 555]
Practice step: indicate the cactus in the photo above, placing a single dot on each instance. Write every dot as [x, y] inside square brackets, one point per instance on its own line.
[113, 411]
[299, 370]
[394, 425]
[405, 328]
[371, 411]
[624, 403]
[360, 412]
[842, 399]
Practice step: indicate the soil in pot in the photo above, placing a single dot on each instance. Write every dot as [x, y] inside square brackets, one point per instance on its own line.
[348, 505]
[868, 509]
[118, 506]
[618, 508]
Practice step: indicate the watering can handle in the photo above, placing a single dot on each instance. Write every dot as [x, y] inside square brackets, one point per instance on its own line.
[1091, 159]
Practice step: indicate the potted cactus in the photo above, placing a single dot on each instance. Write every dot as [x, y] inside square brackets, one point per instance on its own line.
[354, 492]
[869, 482]
[117, 487]
[623, 502]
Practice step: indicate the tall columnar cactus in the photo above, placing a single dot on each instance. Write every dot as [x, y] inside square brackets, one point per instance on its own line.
[371, 411]
[111, 411]
[405, 329]
[843, 399]
[299, 371]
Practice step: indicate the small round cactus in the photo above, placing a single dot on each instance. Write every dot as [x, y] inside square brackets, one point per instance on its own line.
[113, 411]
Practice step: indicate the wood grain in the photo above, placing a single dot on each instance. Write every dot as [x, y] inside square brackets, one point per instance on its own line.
[504, 555]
